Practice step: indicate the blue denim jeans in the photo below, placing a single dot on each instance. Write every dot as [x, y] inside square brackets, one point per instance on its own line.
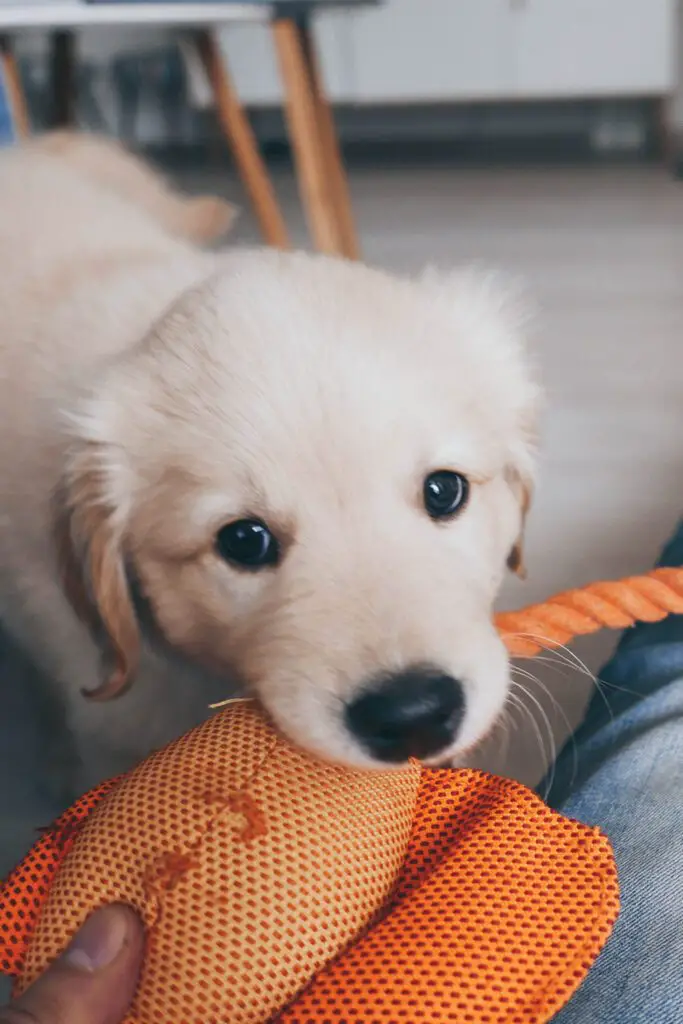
[626, 775]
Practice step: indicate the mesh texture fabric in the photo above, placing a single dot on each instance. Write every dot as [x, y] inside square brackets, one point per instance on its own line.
[25, 891]
[251, 865]
[257, 869]
[501, 908]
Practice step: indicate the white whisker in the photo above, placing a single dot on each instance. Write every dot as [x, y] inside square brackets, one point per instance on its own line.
[560, 710]
[569, 658]
[551, 755]
[517, 703]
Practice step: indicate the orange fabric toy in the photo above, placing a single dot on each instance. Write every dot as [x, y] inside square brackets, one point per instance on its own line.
[277, 888]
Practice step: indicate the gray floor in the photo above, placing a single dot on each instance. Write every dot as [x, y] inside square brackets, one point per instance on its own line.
[602, 250]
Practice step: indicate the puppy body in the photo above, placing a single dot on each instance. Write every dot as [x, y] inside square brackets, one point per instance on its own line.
[84, 275]
[201, 219]
[151, 394]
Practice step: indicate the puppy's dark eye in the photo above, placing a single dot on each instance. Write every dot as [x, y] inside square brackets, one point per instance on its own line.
[248, 543]
[445, 493]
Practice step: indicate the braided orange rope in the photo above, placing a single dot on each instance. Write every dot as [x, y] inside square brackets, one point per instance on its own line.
[616, 605]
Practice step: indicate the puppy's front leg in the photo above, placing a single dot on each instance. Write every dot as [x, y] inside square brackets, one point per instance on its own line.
[167, 698]
[85, 741]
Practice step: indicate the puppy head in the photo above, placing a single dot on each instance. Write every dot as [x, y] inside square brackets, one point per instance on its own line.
[315, 474]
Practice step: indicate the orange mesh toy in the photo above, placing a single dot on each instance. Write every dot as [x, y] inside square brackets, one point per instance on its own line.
[277, 888]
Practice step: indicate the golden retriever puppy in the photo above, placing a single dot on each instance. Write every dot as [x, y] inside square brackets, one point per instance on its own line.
[201, 219]
[279, 473]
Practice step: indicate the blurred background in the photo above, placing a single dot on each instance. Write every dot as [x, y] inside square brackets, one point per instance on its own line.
[541, 136]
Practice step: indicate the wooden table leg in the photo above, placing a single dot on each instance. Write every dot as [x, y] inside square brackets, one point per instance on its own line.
[15, 89]
[244, 147]
[63, 60]
[329, 141]
[301, 108]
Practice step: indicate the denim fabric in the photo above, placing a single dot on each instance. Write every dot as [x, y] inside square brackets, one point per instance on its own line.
[630, 783]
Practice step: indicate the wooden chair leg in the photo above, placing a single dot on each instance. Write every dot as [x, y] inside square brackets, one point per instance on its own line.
[63, 60]
[336, 172]
[301, 108]
[15, 89]
[244, 147]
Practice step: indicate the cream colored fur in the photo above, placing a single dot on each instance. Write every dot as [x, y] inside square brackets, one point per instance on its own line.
[200, 219]
[151, 393]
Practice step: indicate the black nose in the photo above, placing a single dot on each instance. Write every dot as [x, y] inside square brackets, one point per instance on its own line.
[415, 713]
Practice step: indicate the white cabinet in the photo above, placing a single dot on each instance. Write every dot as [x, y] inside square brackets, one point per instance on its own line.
[592, 47]
[420, 50]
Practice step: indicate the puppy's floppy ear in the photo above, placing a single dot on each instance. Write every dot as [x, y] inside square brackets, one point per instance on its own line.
[89, 532]
[520, 474]
[522, 486]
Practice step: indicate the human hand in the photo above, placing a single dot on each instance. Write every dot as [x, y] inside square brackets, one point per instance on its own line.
[93, 982]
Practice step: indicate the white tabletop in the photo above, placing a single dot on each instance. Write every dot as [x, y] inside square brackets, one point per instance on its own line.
[77, 15]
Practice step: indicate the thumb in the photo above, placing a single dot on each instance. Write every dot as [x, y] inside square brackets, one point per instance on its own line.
[93, 982]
